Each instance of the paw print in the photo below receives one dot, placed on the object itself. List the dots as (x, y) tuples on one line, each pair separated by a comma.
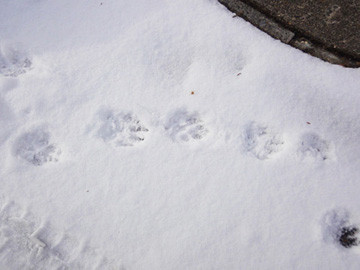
[(121, 129), (13, 61), (36, 147), (261, 141), (312, 145), (337, 228), (183, 126)]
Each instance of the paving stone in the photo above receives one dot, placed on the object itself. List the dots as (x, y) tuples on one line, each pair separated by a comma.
[(328, 29)]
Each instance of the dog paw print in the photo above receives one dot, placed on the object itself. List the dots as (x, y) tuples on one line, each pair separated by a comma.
[(36, 147), (121, 129), (312, 145), (183, 126), (13, 61), (261, 141), (338, 228)]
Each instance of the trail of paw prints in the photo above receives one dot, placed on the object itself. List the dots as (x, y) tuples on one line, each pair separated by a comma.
[(36, 147), (27, 243), (120, 128), (184, 126), (13, 61), (261, 141), (313, 146), (338, 228)]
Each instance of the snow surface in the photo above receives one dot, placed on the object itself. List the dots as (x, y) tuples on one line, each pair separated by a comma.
[(158, 134)]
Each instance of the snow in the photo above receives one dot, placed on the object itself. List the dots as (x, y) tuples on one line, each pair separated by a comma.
[(170, 135)]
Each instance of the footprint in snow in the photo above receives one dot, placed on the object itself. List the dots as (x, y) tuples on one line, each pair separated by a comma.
[(261, 141), (120, 128), (13, 61), (183, 126), (337, 228), (29, 243), (312, 145), (36, 147)]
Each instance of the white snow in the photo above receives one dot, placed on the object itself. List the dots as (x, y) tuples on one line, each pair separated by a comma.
[(183, 138)]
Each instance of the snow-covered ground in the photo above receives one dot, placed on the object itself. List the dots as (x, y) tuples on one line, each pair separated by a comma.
[(166, 134)]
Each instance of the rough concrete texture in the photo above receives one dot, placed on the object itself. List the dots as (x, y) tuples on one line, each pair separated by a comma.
[(328, 29)]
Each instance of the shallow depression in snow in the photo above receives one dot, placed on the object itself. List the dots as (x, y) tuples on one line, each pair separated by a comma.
[(261, 141), (313, 146), (13, 61), (184, 126), (27, 242), (120, 128), (338, 228), (36, 147)]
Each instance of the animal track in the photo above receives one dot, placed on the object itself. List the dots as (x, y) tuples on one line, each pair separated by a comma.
[(314, 146), (36, 148), (25, 244), (13, 61), (337, 228), (120, 129), (183, 126), (261, 141)]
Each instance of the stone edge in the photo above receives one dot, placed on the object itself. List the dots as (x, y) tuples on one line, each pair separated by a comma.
[(282, 33)]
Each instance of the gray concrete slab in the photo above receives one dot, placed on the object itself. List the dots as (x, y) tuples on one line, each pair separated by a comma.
[(328, 29)]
